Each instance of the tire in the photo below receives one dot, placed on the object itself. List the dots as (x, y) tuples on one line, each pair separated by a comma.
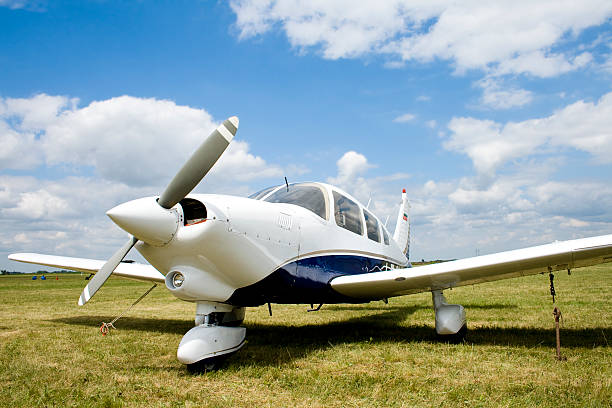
[(207, 365), (456, 338)]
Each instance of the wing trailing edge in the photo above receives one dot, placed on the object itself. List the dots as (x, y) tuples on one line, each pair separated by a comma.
[(502, 265), (127, 270)]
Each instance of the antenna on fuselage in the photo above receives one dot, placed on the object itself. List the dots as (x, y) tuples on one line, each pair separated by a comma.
[(369, 201), (286, 183)]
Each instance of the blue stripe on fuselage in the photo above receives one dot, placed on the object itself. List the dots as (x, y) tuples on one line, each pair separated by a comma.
[(307, 281)]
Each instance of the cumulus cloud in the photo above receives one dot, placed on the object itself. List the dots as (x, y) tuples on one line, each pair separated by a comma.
[(406, 117), (350, 166), (102, 154), (13, 4), (31, 5), (136, 141), (584, 126), (240, 165), (496, 97), (500, 36), (383, 192)]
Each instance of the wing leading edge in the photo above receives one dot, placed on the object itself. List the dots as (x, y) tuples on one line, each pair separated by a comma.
[(502, 265), (127, 270)]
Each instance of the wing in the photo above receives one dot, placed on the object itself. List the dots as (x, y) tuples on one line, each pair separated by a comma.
[(127, 270), (522, 262)]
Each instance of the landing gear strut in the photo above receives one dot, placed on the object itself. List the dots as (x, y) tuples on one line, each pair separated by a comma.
[(214, 338), (450, 319)]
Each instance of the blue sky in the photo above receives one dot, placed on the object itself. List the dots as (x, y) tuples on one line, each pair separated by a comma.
[(496, 117)]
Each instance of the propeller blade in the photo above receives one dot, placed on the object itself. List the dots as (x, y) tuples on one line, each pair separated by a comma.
[(199, 163), (105, 272)]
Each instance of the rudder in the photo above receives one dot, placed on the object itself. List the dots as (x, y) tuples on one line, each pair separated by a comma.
[(402, 227)]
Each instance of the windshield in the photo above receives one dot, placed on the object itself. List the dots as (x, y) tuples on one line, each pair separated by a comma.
[(258, 195), (310, 197)]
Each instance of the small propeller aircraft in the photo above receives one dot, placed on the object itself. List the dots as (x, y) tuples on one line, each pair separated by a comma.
[(303, 243)]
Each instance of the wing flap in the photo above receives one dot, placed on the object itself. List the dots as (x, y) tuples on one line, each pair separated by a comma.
[(127, 270), (503, 265)]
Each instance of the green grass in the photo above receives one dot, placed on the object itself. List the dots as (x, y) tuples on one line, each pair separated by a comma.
[(371, 355)]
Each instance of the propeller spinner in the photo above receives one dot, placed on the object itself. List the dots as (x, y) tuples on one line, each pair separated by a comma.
[(156, 223)]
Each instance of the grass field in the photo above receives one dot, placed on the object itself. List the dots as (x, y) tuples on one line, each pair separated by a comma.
[(371, 355)]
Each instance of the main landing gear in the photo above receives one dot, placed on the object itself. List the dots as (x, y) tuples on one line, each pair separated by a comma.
[(450, 319), (214, 338)]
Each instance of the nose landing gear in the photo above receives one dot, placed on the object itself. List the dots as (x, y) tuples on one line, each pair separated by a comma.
[(213, 339)]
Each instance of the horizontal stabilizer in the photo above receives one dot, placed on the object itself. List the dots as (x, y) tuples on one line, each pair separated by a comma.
[(127, 270), (502, 265)]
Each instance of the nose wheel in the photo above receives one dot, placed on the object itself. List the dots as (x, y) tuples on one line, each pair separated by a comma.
[(207, 364)]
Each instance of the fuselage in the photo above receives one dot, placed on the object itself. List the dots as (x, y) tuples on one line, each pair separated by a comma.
[(282, 245)]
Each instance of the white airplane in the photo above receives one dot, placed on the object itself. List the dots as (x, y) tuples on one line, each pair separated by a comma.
[(307, 243)]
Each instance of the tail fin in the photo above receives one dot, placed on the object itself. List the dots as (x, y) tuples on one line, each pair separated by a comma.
[(402, 227)]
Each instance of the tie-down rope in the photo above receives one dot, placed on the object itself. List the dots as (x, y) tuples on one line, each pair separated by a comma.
[(105, 328)]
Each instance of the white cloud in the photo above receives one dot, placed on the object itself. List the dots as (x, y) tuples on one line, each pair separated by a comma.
[(350, 166), (240, 165), (494, 96), (406, 117), (14, 4), (21, 120), (136, 141), (585, 126), (37, 112), (39, 204), (19, 149), (539, 64), (121, 149), (508, 36)]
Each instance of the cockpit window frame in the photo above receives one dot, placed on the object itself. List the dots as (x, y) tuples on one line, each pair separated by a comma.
[(385, 234), (261, 194)]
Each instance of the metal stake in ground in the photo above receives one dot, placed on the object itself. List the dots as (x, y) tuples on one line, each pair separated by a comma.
[(557, 315)]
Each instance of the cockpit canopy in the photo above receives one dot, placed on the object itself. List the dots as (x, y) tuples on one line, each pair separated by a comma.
[(315, 198)]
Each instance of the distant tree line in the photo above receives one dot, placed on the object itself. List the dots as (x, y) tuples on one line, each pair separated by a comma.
[(39, 272)]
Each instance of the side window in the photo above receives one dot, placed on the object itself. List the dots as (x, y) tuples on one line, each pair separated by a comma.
[(371, 226), (347, 214), (385, 236)]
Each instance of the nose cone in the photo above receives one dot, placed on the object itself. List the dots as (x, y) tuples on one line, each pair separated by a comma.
[(146, 220)]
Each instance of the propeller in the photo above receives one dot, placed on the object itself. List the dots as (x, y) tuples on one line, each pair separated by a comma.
[(105, 272), (199, 163), (192, 172)]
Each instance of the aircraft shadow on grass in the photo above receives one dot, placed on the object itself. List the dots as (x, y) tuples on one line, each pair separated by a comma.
[(273, 344)]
